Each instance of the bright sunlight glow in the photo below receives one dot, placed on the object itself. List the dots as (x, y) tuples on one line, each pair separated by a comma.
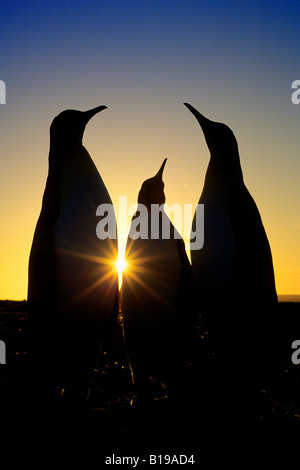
[(121, 266)]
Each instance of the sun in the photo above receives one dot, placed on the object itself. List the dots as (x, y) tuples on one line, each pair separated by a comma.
[(121, 266)]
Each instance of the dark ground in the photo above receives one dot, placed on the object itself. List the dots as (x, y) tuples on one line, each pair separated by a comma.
[(114, 417)]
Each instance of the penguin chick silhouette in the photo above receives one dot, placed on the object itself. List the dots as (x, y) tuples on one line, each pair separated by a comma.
[(72, 284), (233, 272), (156, 290)]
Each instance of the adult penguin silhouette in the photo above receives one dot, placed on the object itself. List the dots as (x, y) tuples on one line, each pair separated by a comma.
[(157, 296), (72, 284), (233, 272)]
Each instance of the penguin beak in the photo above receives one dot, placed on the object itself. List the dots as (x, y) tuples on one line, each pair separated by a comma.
[(160, 171), (206, 125), (203, 121), (91, 112)]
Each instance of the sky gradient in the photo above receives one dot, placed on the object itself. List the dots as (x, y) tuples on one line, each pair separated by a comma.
[(234, 61)]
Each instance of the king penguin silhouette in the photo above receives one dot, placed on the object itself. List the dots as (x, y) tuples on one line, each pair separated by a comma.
[(72, 285), (234, 276), (157, 295)]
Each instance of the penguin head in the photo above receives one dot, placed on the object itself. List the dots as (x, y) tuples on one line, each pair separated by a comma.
[(220, 140), (68, 127), (152, 189)]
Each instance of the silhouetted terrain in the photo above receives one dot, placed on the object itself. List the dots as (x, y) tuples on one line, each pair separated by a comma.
[(113, 408)]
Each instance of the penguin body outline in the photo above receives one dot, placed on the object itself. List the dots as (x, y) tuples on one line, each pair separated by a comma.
[(151, 297), (234, 278), (236, 250), (72, 284)]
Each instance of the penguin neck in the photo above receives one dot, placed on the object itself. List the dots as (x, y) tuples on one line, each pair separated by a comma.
[(67, 146), (226, 167), (72, 157), (148, 206)]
